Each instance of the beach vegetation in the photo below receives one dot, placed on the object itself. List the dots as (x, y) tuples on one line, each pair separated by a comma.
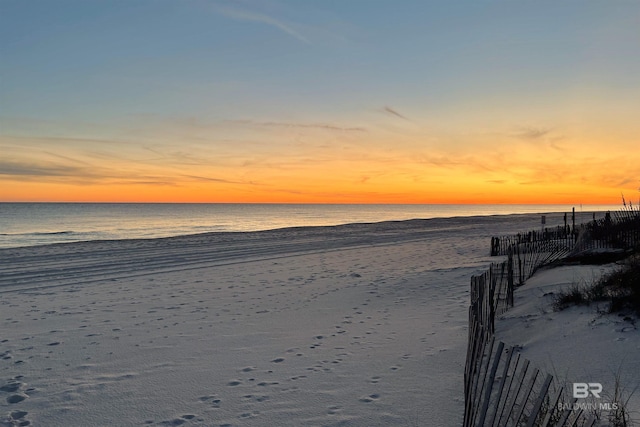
[(620, 416), (574, 295), (620, 289)]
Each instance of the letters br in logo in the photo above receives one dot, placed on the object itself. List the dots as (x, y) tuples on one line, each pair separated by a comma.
[(582, 390)]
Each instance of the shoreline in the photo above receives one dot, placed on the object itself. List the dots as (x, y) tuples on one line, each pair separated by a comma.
[(111, 259), (99, 260), (31, 225), (319, 228)]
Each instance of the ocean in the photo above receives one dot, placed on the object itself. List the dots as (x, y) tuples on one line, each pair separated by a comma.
[(30, 224)]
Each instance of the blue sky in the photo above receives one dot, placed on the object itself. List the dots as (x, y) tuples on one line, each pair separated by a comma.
[(181, 57), (444, 77)]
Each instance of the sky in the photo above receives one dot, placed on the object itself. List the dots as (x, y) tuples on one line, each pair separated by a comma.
[(332, 101)]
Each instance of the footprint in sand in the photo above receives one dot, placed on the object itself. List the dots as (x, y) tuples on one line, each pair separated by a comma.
[(332, 410), (17, 418), (246, 415), (212, 399), (370, 398), (16, 398), (178, 421), (18, 415), (265, 383), (11, 387), (261, 398)]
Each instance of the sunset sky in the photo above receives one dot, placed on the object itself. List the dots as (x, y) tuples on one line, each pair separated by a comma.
[(336, 101)]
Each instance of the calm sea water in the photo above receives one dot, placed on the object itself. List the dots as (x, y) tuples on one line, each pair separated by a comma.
[(27, 224)]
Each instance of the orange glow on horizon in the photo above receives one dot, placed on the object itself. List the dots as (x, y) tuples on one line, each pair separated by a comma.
[(479, 194), (303, 164)]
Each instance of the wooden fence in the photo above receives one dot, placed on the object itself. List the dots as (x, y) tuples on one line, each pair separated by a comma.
[(501, 388), (527, 258), (560, 236), (492, 293), (620, 231)]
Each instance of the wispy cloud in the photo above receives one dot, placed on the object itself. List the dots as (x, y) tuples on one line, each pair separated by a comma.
[(37, 170), (532, 182), (394, 112), (65, 139), (52, 172), (470, 163), (156, 181), (531, 133), (66, 158), (611, 172), (252, 16), (325, 126), (439, 160), (209, 179), (626, 182), (538, 135)]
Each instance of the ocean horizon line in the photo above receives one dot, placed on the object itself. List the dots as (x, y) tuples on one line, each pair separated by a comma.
[(37, 223)]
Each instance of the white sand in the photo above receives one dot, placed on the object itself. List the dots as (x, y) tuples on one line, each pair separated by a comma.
[(578, 344), (362, 325)]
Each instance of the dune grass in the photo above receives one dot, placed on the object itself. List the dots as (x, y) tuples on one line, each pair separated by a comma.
[(620, 288)]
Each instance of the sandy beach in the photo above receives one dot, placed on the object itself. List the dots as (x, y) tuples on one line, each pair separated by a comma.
[(355, 325)]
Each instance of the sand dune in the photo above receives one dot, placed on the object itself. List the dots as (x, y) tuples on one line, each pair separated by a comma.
[(580, 343)]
